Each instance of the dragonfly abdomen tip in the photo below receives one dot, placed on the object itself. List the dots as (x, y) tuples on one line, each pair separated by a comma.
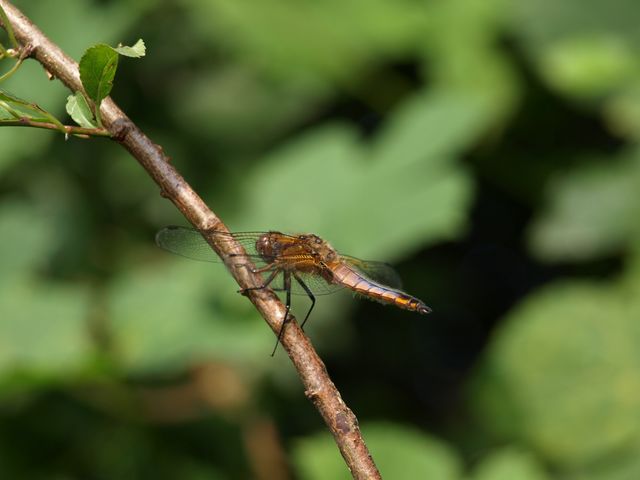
[(423, 310)]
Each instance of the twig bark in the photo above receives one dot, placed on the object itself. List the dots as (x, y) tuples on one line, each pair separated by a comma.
[(318, 386)]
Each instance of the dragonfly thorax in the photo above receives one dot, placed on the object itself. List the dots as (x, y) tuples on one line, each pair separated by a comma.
[(274, 246)]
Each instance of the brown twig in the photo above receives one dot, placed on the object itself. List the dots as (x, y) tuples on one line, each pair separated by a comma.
[(318, 386)]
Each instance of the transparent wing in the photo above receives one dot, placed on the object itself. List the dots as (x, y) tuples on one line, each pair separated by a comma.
[(189, 243), (379, 272), (316, 284)]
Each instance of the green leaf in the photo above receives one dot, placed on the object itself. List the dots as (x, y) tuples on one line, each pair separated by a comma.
[(97, 70), (376, 200), (12, 107), (269, 33), (172, 315), (78, 109), (563, 373), (590, 65), (399, 452), (10, 98), (6, 24), (26, 236), (7, 112), (623, 466), (458, 48), (16, 144), (588, 50), (592, 211), (29, 307), (510, 464), (136, 51)]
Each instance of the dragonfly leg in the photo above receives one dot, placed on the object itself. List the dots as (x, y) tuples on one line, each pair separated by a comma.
[(311, 297), (254, 270), (286, 288), (243, 291)]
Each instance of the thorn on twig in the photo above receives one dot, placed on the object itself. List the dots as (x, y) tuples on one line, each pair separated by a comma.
[(163, 193)]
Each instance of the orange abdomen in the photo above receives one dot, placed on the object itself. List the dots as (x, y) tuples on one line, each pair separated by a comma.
[(353, 280)]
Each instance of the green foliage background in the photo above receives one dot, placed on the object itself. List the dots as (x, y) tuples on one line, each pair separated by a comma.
[(488, 148)]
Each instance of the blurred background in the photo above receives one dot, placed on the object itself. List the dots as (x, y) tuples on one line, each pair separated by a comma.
[(487, 148)]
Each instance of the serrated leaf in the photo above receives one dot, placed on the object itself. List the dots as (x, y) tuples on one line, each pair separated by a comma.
[(78, 109), (136, 51), (399, 452), (98, 68)]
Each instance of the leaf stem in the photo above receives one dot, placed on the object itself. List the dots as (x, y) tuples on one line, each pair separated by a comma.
[(12, 70), (66, 129), (6, 24)]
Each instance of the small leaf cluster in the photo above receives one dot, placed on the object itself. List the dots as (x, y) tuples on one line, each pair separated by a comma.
[(98, 68)]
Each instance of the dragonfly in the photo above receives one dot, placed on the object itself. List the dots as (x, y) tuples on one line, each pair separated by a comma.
[(305, 263)]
